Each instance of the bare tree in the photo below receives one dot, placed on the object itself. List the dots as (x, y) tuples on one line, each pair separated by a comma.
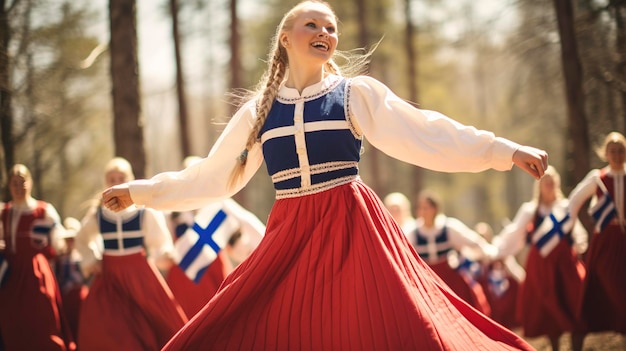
[(185, 140), (412, 59), (127, 128), (235, 73), (6, 115), (575, 97)]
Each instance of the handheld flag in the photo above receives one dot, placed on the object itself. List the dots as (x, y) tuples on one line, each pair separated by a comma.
[(551, 230), (199, 245), (603, 211)]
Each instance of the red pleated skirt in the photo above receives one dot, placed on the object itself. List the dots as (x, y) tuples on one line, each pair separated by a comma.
[(31, 310), (72, 301), (129, 307), (502, 305), (549, 296), (603, 305), (469, 291), (335, 272), (193, 296)]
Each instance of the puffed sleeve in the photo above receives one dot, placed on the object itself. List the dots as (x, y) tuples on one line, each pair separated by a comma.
[(87, 242), (424, 138), (512, 238), (157, 238), (207, 180), (583, 191), (462, 237), (57, 231)]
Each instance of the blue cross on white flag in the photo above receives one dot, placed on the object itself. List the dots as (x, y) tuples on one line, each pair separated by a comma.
[(553, 227), (198, 247), (603, 211)]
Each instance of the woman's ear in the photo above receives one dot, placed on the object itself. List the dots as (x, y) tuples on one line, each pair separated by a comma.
[(284, 40)]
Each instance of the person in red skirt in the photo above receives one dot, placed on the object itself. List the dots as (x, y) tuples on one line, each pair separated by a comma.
[(500, 280), (603, 303), (451, 249), (194, 283), (129, 305), (72, 283), (31, 310), (238, 234), (334, 271), (549, 294)]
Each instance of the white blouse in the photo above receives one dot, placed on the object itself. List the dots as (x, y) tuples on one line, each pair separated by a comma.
[(587, 188), (424, 138), (460, 237), (156, 237), (512, 238)]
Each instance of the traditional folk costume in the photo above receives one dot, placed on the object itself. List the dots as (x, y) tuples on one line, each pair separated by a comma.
[(441, 247), (194, 287), (31, 311), (334, 271), (129, 306), (603, 303), (550, 292), (73, 286), (500, 282)]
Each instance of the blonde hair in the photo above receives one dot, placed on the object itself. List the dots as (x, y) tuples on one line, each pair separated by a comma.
[(120, 164), (275, 74), (554, 174), (20, 170), (611, 138), (400, 200)]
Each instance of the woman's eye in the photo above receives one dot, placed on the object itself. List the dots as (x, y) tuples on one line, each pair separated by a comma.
[(330, 30), (311, 24)]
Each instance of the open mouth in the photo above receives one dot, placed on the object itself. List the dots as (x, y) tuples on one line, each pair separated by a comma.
[(320, 45)]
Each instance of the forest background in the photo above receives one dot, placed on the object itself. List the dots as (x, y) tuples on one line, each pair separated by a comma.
[(75, 89)]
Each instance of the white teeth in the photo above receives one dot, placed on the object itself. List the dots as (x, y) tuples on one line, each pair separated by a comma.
[(320, 44)]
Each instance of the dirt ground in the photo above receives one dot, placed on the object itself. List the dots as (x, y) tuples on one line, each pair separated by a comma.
[(593, 342)]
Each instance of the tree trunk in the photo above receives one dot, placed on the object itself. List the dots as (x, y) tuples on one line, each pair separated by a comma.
[(373, 155), (579, 146), (417, 173), (185, 140), (6, 112), (127, 128), (235, 76), (620, 49)]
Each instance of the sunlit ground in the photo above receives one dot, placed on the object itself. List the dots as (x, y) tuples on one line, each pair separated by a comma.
[(593, 342)]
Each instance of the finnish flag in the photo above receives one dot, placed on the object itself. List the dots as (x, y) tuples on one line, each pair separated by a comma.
[(551, 230), (199, 245), (603, 211)]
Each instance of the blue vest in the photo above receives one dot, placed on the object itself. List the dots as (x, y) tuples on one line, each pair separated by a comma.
[(130, 235), (441, 240), (311, 150)]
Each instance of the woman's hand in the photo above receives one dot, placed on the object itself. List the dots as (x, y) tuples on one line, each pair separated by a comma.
[(117, 198), (532, 160)]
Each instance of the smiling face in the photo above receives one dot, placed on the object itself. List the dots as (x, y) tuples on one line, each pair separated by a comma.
[(310, 35)]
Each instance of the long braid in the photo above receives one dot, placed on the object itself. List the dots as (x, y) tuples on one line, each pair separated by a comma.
[(277, 67)]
